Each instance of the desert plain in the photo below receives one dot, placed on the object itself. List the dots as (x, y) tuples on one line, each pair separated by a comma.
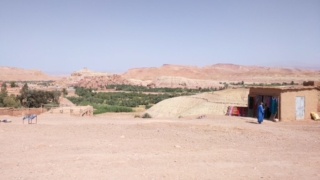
[(174, 144), (118, 146)]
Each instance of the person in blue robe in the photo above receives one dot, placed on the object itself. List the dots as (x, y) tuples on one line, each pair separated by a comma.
[(260, 113)]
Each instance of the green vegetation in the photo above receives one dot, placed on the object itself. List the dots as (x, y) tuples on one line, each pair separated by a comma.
[(125, 101), (64, 92), (13, 84), (146, 115), (7, 101), (35, 98), (131, 88), (148, 106), (131, 99), (103, 108), (127, 97), (117, 99)]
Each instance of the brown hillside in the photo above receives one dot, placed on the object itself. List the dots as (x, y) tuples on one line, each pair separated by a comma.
[(226, 72), (19, 74), (88, 78)]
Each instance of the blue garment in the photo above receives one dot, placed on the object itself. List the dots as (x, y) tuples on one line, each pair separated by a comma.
[(260, 113), (29, 116)]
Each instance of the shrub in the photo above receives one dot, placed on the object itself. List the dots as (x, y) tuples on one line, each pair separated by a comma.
[(64, 91), (136, 116), (13, 84), (106, 108), (146, 115), (10, 101), (148, 106)]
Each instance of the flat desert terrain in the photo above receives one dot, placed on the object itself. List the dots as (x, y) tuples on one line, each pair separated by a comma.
[(118, 146)]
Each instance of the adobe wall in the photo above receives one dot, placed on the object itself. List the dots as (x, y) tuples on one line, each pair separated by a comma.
[(288, 103), (21, 111), (74, 110)]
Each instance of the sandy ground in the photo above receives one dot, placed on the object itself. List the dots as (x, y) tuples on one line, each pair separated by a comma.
[(121, 147)]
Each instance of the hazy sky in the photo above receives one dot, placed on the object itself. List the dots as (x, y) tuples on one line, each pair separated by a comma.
[(113, 36)]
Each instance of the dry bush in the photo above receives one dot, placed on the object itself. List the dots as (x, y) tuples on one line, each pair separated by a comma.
[(146, 115)]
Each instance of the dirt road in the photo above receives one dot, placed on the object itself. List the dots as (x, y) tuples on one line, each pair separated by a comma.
[(121, 147)]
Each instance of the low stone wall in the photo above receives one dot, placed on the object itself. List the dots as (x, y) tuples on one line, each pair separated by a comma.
[(21, 111), (73, 110)]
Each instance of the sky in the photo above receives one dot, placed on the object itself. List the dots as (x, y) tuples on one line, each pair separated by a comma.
[(62, 36)]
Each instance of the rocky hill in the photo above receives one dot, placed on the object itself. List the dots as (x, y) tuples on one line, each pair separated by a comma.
[(224, 72), (19, 74), (91, 79), (168, 76)]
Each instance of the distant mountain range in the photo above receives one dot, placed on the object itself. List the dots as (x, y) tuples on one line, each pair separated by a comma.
[(169, 75), (19, 74)]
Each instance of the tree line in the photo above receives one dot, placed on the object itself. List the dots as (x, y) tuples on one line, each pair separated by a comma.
[(121, 101), (28, 98), (135, 88), (87, 96)]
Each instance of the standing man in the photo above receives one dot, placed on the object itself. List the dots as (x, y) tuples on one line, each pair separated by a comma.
[(260, 113)]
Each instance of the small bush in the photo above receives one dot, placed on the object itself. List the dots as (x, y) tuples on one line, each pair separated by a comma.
[(146, 115), (136, 116), (148, 106), (106, 108)]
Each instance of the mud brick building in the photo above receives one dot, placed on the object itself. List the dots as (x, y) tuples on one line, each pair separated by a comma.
[(284, 103)]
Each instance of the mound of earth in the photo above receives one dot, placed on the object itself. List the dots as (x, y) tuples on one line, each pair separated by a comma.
[(213, 103), (19, 74)]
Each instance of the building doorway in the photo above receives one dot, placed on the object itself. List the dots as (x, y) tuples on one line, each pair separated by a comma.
[(300, 107)]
